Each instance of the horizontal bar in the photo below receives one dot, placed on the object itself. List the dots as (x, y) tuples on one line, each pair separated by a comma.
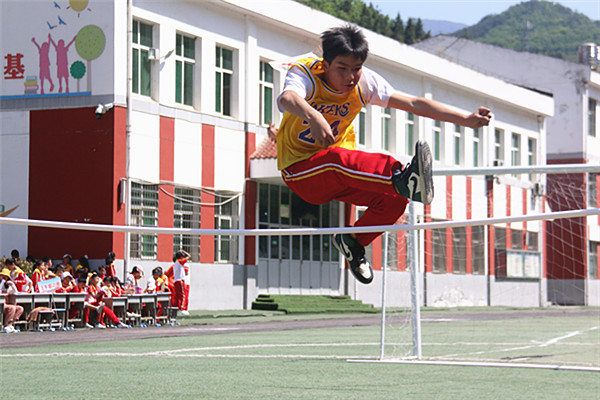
[(530, 169), (299, 231)]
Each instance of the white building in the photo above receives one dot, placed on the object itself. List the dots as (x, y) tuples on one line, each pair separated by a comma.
[(194, 156), (573, 136)]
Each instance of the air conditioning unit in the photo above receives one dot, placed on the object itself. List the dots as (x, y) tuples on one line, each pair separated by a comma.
[(498, 163), (589, 54), (153, 54)]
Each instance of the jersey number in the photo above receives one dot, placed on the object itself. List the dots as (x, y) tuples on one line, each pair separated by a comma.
[(306, 137)]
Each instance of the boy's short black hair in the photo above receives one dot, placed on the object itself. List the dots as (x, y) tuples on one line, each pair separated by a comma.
[(344, 40)]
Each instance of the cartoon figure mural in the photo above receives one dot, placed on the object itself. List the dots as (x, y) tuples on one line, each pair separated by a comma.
[(43, 51), (76, 40), (62, 63)]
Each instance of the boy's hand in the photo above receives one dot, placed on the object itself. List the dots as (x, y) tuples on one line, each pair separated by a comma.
[(479, 118), (321, 131)]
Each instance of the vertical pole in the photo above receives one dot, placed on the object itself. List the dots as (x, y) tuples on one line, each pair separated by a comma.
[(126, 247), (383, 287), (414, 283)]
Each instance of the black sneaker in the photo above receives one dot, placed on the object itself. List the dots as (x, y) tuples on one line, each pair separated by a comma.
[(355, 254), (415, 182)]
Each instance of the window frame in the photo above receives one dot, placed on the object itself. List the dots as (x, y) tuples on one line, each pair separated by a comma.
[(386, 127), (140, 58), (187, 202), (410, 127), (223, 98), (227, 209), (264, 85), (181, 77), (144, 207)]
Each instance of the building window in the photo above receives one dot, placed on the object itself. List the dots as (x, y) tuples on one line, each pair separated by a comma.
[(437, 140), (223, 80), (144, 212), (386, 119), (226, 217), (593, 259), (458, 135), (141, 64), (532, 241), (410, 133), (531, 154), (592, 190), (279, 207), (185, 59), (265, 81), (592, 107), (392, 250), (478, 249), (186, 214), (515, 149), (360, 127), (500, 238), (459, 250), (476, 146), (516, 239), (499, 145), (438, 236)]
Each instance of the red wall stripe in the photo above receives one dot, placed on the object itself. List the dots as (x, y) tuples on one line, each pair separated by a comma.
[(72, 177), (508, 214), (119, 156), (566, 239), (525, 212), (207, 214), (491, 231), (428, 241), (469, 230), (449, 248), (250, 203), (376, 250), (167, 173)]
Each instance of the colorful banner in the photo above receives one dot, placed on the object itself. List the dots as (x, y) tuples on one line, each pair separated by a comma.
[(49, 285)]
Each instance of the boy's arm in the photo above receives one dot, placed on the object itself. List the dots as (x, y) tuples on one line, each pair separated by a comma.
[(433, 109), (319, 127)]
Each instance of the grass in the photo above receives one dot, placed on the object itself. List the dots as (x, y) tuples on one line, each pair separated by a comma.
[(311, 363)]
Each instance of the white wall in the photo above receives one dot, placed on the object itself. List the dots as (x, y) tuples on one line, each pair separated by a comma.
[(14, 178)]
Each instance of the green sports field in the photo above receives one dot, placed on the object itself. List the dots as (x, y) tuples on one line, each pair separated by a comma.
[(214, 361)]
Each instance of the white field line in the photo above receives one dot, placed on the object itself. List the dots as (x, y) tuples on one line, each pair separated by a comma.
[(174, 353), (547, 343)]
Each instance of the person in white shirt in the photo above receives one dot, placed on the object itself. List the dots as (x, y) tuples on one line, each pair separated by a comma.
[(179, 273)]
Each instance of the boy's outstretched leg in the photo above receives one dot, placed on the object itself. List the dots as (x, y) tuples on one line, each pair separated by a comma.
[(355, 254), (415, 181)]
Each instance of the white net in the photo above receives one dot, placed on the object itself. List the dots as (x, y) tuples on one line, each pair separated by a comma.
[(495, 290)]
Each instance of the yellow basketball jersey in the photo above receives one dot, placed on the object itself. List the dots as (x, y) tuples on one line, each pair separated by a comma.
[(294, 141)]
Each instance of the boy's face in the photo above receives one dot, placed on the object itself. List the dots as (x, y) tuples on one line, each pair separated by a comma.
[(343, 73)]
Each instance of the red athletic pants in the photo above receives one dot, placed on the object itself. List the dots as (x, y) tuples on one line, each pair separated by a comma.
[(179, 295), (352, 176)]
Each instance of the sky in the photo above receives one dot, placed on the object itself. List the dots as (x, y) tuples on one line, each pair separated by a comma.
[(468, 12)]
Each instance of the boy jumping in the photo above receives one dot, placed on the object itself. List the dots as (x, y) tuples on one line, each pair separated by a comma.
[(316, 150)]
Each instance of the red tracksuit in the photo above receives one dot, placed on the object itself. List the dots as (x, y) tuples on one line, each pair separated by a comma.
[(352, 176)]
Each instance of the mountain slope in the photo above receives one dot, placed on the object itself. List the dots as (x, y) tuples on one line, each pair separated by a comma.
[(541, 27)]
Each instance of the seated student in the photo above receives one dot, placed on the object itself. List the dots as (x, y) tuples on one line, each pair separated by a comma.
[(83, 265), (39, 274), (115, 287), (102, 273), (131, 281), (93, 301), (17, 276), (67, 282), (109, 261), (66, 264), (12, 312)]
